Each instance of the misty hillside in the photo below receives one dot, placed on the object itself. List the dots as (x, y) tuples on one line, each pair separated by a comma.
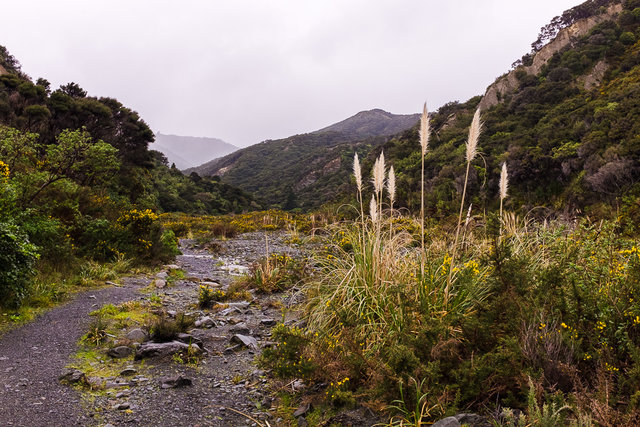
[(566, 121), (190, 151), (305, 171)]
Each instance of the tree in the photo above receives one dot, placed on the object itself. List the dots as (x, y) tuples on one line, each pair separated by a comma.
[(73, 90)]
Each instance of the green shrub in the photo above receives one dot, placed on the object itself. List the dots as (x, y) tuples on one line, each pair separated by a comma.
[(17, 259), (288, 357)]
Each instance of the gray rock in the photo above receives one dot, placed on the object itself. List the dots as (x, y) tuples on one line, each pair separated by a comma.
[(128, 372), (162, 275), (95, 382), (234, 320), (172, 313), (205, 322), (120, 352), (153, 349), (242, 305), (171, 267), (211, 284), (122, 406), (175, 382), (240, 328), (189, 339), (72, 376), (138, 335), (245, 340), (447, 422), (159, 283), (230, 310), (268, 322), (232, 349), (302, 410), (473, 420)]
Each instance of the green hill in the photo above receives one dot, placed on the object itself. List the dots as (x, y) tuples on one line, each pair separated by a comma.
[(305, 171), (566, 120)]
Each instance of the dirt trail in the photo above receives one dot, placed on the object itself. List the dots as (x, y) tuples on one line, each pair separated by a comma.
[(34, 355), (226, 380)]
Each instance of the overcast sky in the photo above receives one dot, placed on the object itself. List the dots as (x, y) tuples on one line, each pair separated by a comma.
[(249, 70)]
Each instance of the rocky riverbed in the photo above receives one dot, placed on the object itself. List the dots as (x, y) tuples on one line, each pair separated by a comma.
[(155, 384)]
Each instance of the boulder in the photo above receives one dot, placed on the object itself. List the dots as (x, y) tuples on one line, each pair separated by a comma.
[(189, 339), (175, 382), (72, 376), (138, 335), (120, 352), (245, 341), (153, 349), (205, 322), (240, 328)]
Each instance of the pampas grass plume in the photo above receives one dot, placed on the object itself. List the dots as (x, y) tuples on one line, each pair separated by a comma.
[(391, 185), (474, 134), (357, 171), (373, 209), (378, 174), (424, 130), (504, 181)]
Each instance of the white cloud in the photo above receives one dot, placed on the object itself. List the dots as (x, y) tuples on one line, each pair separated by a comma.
[(248, 70)]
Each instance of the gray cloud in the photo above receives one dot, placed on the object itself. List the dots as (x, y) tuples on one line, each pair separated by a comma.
[(248, 70)]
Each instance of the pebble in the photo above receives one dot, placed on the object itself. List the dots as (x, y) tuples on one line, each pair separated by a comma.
[(127, 372), (122, 406)]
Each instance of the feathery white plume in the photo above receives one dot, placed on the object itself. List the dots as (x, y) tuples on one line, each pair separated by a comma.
[(391, 185), (357, 171), (378, 174), (474, 134), (424, 130), (504, 181), (373, 209), (466, 221)]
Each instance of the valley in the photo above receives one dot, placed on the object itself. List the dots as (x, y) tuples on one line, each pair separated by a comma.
[(474, 265)]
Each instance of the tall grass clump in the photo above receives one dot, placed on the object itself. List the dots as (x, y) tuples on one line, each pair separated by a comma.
[(471, 152), (504, 186), (378, 296), (550, 305), (424, 145)]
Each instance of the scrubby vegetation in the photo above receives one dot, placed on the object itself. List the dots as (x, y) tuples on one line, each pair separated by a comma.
[(525, 310), (531, 316)]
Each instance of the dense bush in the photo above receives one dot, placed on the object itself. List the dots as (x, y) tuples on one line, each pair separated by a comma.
[(17, 261)]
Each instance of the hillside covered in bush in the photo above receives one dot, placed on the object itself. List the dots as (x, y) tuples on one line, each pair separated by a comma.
[(79, 184), (568, 132)]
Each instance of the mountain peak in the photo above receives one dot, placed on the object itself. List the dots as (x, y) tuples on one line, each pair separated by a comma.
[(375, 122)]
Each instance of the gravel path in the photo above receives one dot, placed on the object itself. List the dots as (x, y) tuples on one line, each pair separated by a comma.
[(34, 355), (227, 380)]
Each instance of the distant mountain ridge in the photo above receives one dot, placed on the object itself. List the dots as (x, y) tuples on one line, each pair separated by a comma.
[(192, 150), (374, 122), (305, 170)]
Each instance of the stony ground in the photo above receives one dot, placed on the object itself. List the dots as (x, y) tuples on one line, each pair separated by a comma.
[(33, 356), (223, 388)]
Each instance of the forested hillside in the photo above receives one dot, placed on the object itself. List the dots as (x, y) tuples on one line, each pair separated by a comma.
[(569, 132), (78, 182), (308, 170)]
